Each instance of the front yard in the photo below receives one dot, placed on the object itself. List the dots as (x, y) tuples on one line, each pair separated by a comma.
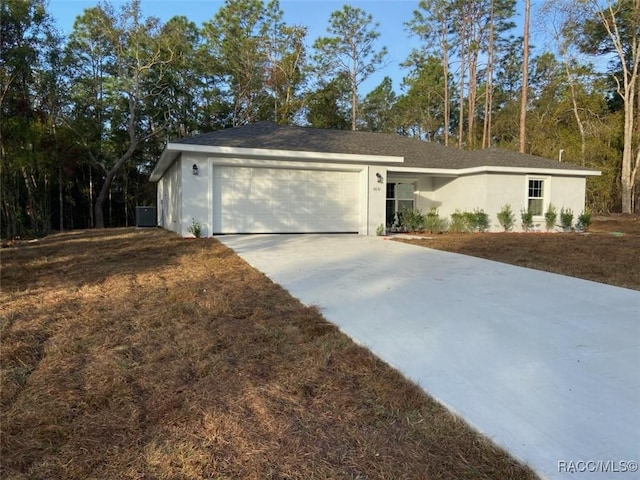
[(140, 355), (608, 253)]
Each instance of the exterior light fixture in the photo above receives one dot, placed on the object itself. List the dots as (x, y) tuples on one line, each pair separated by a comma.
[(194, 169), (379, 177)]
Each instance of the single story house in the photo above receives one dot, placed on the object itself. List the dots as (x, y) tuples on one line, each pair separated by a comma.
[(269, 178)]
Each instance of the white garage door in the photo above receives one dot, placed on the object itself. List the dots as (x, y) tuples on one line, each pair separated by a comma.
[(271, 200)]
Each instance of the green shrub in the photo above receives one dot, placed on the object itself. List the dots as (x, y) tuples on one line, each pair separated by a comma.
[(411, 220), (469, 221), (476, 221), (584, 220), (195, 229), (527, 220), (380, 231), (433, 223), (566, 219), (458, 222), (479, 221), (550, 217), (506, 218)]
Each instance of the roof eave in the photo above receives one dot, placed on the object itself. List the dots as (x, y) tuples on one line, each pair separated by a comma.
[(173, 150), (577, 172), (223, 151), (498, 169), (167, 157)]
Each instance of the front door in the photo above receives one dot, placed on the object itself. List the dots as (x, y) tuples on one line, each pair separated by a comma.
[(399, 198)]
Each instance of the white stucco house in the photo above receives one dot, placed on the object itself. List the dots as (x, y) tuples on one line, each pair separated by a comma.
[(269, 178)]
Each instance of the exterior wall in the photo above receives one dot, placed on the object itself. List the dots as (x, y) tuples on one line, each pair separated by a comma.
[(492, 191), (459, 193), (568, 192), (196, 197), (506, 189), (424, 195), (562, 192), (183, 197), (374, 212), (169, 198)]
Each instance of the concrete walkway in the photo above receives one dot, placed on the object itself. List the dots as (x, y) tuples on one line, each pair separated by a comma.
[(547, 366)]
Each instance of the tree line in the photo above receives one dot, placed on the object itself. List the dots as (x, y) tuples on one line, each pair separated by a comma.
[(84, 117)]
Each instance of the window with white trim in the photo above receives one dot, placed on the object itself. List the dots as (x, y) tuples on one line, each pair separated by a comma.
[(400, 197), (535, 196)]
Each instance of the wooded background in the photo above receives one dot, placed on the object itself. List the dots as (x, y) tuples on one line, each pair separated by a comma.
[(85, 117)]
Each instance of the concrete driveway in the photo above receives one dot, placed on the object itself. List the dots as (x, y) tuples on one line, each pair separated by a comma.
[(547, 366)]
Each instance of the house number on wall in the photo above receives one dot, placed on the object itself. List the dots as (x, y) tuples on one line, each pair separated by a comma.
[(377, 189)]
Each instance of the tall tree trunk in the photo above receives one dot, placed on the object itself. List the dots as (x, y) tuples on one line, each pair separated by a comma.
[(126, 199), (461, 100), (488, 94), (444, 47), (37, 201), (10, 205), (463, 70), (134, 140), (110, 207), (91, 219), (471, 103), (576, 113), (525, 78), (629, 166), (354, 100), (473, 51), (61, 199), (447, 107), (629, 55), (106, 186)]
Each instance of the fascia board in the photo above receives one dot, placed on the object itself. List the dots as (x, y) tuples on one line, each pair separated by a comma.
[(445, 172), (288, 154), (252, 162), (167, 157), (534, 171), (454, 172)]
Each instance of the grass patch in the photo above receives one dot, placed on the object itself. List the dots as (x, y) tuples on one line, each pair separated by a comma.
[(607, 254), (137, 354)]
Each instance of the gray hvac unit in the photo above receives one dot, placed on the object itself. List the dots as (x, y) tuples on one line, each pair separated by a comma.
[(146, 217)]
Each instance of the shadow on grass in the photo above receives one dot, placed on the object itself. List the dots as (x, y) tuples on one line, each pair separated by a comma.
[(138, 354), (75, 259)]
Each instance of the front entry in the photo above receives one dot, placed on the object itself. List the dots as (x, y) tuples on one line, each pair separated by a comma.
[(400, 197)]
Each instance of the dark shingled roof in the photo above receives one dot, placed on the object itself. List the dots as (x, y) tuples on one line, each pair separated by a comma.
[(416, 153)]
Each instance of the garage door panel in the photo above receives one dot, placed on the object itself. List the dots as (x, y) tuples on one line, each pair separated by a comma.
[(266, 200)]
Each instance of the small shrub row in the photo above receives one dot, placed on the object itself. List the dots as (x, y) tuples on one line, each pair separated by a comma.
[(478, 220), (432, 222), (507, 219)]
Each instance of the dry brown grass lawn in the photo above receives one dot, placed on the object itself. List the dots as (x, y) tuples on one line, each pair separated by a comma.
[(608, 253), (139, 355)]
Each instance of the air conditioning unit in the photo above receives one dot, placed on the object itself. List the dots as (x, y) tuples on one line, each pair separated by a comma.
[(146, 217)]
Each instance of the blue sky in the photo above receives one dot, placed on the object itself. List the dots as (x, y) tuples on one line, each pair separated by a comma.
[(390, 14)]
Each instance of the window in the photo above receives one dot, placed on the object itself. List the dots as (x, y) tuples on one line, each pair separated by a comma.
[(535, 197), (399, 198)]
